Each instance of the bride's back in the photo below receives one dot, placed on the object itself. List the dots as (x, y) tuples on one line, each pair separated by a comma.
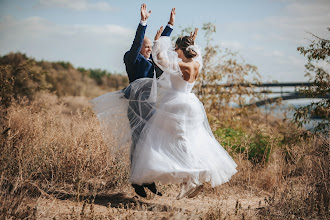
[(189, 70), (184, 78)]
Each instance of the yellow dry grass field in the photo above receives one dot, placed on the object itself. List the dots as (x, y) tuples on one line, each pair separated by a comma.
[(55, 165)]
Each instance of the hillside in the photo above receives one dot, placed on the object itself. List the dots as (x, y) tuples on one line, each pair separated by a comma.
[(25, 76)]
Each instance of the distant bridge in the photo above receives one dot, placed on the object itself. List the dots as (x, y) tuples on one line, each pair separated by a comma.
[(287, 96), (284, 95)]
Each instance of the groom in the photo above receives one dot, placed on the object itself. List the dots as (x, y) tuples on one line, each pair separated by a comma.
[(139, 64)]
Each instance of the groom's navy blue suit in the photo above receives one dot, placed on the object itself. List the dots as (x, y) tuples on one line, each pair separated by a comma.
[(137, 66)]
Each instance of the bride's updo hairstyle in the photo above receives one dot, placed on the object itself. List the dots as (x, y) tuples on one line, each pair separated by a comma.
[(183, 43)]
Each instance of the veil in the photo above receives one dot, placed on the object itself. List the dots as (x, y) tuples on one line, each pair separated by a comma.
[(123, 114)]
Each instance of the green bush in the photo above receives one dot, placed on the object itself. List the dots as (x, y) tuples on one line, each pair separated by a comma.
[(20, 77), (256, 146), (65, 65), (259, 148), (97, 75), (230, 138)]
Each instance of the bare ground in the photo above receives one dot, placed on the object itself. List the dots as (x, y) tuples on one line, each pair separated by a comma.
[(224, 202)]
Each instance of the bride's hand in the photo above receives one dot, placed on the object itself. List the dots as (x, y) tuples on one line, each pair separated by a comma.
[(172, 17), (159, 32), (194, 35), (144, 14)]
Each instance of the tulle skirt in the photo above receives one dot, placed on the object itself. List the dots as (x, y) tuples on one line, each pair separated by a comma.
[(171, 141)]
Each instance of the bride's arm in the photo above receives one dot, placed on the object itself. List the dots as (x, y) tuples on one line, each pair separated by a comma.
[(161, 50), (197, 49), (162, 61)]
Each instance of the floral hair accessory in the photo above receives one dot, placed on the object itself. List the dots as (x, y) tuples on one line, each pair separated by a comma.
[(191, 47), (195, 48)]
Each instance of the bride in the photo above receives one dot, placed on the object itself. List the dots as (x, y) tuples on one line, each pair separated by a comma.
[(176, 144)]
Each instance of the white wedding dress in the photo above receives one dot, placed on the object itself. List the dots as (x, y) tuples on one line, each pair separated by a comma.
[(175, 143)]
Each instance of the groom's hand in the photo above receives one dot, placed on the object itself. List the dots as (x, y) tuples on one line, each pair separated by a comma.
[(172, 17), (144, 14)]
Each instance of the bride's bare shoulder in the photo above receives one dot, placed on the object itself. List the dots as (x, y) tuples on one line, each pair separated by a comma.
[(189, 70), (197, 64), (185, 66), (192, 64)]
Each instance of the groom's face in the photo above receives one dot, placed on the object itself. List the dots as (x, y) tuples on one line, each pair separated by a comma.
[(146, 48)]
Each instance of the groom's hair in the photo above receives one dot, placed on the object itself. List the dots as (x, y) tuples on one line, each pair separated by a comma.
[(183, 43)]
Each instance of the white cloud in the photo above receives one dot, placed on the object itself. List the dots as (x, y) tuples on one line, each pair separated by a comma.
[(298, 61), (298, 17), (277, 53), (302, 8), (83, 45), (259, 48), (289, 24), (233, 45), (271, 43), (256, 36), (77, 5)]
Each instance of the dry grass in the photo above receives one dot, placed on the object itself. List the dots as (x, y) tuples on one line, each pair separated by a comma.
[(57, 150), (52, 154)]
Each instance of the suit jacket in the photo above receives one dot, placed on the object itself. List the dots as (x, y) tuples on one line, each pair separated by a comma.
[(137, 66)]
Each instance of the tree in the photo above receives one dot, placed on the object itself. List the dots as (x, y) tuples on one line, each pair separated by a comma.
[(222, 66), (318, 51), (20, 76)]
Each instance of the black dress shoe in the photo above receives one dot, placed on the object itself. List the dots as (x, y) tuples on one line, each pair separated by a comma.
[(153, 189), (139, 190)]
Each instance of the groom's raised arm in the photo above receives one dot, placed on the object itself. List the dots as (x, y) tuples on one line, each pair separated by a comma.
[(167, 31), (169, 27), (131, 55)]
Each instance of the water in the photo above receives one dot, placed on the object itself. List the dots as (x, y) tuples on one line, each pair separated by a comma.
[(287, 110)]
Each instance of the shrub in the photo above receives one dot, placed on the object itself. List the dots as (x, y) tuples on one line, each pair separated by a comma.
[(318, 50), (257, 146), (20, 76)]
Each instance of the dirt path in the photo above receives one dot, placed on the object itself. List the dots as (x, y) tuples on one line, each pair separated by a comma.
[(226, 202)]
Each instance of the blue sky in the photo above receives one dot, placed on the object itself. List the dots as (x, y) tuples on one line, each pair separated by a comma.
[(96, 34)]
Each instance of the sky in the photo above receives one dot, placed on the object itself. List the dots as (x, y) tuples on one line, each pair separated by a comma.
[(97, 33)]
